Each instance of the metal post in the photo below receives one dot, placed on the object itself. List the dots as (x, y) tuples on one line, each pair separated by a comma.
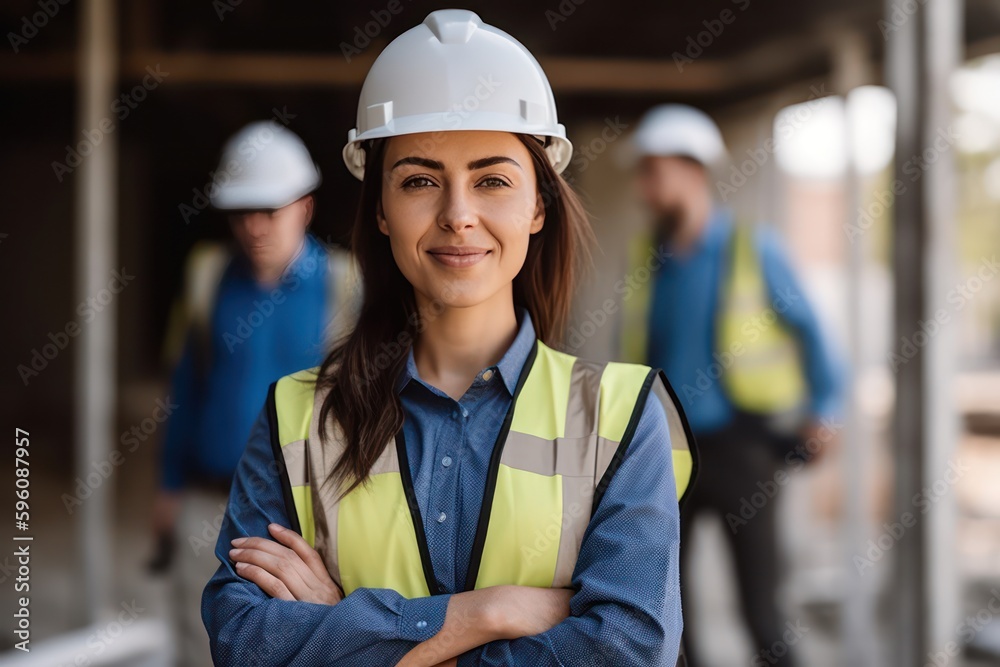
[(851, 70), (909, 591), (96, 227), (942, 57), (923, 50)]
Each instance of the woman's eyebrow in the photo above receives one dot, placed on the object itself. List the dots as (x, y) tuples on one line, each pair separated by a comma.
[(420, 162), (490, 161)]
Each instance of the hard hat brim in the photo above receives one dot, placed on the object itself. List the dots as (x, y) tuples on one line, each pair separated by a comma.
[(240, 197), (559, 148)]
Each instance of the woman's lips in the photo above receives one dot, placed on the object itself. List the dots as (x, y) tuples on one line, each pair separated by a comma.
[(458, 256)]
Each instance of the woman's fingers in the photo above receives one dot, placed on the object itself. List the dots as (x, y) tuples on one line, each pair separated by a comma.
[(267, 582), (311, 558), (278, 561), (297, 543), (297, 566)]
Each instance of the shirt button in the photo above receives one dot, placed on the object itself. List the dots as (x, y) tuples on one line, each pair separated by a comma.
[(446, 461), (421, 624), (465, 413), (487, 375), (442, 517), (454, 414)]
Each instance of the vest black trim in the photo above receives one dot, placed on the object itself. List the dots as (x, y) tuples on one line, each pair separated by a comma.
[(630, 429), (627, 436), (418, 522), (476, 557), (692, 442), (279, 459)]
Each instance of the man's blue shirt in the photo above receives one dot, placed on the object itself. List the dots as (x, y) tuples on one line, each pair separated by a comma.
[(683, 316), (257, 335)]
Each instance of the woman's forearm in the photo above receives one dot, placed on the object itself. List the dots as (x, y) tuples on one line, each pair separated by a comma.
[(475, 618)]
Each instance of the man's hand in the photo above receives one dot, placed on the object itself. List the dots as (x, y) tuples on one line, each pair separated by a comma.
[(166, 507), (288, 569), (817, 440)]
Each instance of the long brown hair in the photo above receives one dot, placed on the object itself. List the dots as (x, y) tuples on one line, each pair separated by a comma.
[(362, 369)]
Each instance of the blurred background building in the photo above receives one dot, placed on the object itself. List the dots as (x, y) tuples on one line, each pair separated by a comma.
[(869, 133)]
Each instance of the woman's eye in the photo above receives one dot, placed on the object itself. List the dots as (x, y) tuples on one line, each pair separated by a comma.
[(494, 182), (417, 182)]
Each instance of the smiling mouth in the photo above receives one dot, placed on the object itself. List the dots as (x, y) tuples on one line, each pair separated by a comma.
[(459, 257)]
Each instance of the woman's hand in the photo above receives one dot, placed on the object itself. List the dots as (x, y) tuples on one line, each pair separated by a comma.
[(288, 569)]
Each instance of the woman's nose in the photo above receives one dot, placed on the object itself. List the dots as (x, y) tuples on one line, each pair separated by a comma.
[(458, 211)]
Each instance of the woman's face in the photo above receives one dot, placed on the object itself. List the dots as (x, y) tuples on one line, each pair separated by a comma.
[(458, 208)]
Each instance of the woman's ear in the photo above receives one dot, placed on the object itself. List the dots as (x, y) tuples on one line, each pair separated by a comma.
[(380, 216), (539, 220)]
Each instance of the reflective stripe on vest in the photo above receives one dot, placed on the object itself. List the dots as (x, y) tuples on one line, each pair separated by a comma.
[(562, 440), (766, 375)]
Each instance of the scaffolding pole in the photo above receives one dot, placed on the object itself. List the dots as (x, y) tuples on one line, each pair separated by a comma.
[(96, 224), (922, 51)]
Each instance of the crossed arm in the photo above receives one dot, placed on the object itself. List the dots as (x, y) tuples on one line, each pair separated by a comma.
[(272, 602), (287, 568)]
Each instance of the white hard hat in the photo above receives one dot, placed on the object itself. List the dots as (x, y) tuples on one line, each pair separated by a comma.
[(454, 72), (677, 129), (263, 166)]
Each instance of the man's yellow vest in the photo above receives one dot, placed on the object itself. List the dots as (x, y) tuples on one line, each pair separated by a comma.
[(765, 375), (565, 434)]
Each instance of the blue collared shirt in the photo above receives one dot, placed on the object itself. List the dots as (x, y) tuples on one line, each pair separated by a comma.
[(258, 334), (626, 609), (683, 320)]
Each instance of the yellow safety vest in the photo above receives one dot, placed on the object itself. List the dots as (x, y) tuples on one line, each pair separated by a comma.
[(564, 436), (765, 375)]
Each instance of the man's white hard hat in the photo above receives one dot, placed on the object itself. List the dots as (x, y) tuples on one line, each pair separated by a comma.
[(263, 166), (679, 130)]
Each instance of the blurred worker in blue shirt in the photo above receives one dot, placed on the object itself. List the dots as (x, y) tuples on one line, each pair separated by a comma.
[(715, 303), (251, 313)]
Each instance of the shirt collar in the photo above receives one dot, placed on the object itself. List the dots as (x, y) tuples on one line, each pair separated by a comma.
[(509, 367)]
